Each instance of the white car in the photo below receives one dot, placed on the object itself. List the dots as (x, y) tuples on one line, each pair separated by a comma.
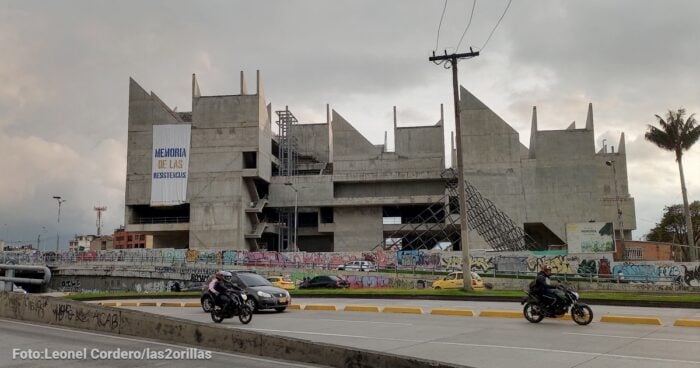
[(366, 266)]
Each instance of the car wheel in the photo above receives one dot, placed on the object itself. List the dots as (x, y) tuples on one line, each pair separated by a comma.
[(252, 304), (207, 304), (437, 288), (280, 309)]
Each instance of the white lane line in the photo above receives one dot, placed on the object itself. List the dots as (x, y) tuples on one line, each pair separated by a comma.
[(632, 337), (567, 352), (158, 343), (330, 334)]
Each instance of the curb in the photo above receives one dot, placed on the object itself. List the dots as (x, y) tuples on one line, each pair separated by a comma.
[(501, 313), (408, 310), (453, 312), (687, 322), (320, 307), (361, 308), (637, 320)]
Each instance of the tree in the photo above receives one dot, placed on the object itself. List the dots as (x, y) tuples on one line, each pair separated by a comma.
[(677, 135), (671, 228)]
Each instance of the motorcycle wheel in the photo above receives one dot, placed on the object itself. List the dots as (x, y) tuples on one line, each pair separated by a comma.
[(581, 314), (216, 317), (207, 304), (246, 315), (532, 313)]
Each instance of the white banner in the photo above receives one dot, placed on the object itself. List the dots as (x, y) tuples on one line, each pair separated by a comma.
[(590, 237), (171, 157)]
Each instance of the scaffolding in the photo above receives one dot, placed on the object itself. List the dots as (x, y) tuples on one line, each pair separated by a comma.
[(289, 158), (439, 223)]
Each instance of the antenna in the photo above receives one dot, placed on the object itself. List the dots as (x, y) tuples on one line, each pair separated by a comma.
[(99, 210)]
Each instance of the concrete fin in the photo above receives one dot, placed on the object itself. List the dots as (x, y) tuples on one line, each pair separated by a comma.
[(572, 126), (469, 102), (621, 145), (395, 125), (442, 117), (340, 124), (165, 107), (589, 117), (533, 133), (244, 88), (195, 87), (136, 92), (258, 83)]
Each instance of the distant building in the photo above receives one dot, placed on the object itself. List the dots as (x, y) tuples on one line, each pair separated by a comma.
[(123, 239), (237, 170), (103, 242), (81, 243), (648, 251)]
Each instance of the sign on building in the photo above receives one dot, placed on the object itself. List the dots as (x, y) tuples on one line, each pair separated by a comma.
[(590, 237), (171, 153)]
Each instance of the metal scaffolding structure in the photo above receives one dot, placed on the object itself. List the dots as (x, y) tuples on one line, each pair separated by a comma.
[(440, 223), (288, 156)]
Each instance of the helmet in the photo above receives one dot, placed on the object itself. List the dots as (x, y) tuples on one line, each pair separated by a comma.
[(546, 269), (219, 275), (227, 275)]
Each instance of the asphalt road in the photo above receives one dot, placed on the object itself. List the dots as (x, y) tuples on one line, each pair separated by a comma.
[(23, 336), (485, 342)]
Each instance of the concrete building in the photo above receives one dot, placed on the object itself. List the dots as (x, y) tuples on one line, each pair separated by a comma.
[(80, 243), (254, 183), (123, 239), (103, 242)]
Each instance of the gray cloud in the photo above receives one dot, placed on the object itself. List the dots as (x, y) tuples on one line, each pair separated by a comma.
[(63, 86)]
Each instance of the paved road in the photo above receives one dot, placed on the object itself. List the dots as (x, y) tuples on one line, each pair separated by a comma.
[(23, 336), (485, 342)]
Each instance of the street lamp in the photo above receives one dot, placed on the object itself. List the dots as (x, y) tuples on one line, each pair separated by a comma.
[(58, 220), (619, 209), (296, 202)]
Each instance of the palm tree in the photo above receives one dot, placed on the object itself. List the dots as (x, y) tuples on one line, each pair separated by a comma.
[(677, 136)]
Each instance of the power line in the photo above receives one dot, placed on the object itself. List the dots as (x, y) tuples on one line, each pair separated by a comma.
[(468, 25), (440, 26), (496, 26)]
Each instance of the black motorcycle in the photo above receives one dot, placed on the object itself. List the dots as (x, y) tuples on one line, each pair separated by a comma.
[(235, 307), (538, 307)]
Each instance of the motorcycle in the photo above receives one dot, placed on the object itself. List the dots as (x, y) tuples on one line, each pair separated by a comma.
[(537, 307), (235, 307)]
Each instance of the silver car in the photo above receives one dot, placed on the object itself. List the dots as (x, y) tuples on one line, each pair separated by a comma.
[(366, 266)]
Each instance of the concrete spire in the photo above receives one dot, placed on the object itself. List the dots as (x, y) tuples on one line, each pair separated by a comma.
[(621, 145), (195, 87), (394, 118), (469, 102), (589, 117), (258, 85), (244, 89), (533, 133), (442, 116), (328, 113), (572, 126)]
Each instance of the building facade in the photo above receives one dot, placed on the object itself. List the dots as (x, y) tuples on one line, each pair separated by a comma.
[(259, 179), (123, 239)]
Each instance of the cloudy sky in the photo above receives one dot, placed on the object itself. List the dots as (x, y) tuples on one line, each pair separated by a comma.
[(65, 66)]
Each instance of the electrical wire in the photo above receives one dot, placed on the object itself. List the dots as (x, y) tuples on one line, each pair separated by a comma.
[(440, 26), (471, 16), (496, 26)]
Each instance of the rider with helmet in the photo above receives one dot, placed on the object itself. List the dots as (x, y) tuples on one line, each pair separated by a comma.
[(218, 287), (544, 287)]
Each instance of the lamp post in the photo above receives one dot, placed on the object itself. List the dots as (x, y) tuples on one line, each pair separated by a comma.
[(58, 220), (619, 209), (296, 202)]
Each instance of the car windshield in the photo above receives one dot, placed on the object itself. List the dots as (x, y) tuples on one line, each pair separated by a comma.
[(334, 278), (252, 280)]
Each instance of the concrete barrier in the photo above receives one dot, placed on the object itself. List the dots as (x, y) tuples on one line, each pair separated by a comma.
[(320, 307), (85, 316), (637, 320), (128, 304), (501, 313), (191, 305), (453, 312), (687, 322), (361, 308), (295, 306), (171, 304), (151, 304), (408, 310)]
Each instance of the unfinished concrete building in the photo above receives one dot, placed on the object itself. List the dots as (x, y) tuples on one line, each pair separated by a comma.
[(259, 179)]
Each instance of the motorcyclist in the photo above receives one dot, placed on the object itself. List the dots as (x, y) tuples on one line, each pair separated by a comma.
[(219, 285), (544, 287)]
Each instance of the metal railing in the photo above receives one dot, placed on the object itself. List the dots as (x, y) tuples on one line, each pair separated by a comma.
[(162, 220)]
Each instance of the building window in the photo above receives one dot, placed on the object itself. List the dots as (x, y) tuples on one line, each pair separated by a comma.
[(250, 160), (391, 220), (634, 253)]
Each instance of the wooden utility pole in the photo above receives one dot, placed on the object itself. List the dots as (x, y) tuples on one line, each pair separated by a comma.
[(463, 229)]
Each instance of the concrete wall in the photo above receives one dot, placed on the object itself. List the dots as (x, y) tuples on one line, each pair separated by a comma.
[(357, 228), (84, 316), (312, 140)]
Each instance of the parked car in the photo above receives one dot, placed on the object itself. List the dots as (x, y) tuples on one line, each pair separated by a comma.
[(281, 282), (455, 280), (366, 266), (326, 282), (261, 293)]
